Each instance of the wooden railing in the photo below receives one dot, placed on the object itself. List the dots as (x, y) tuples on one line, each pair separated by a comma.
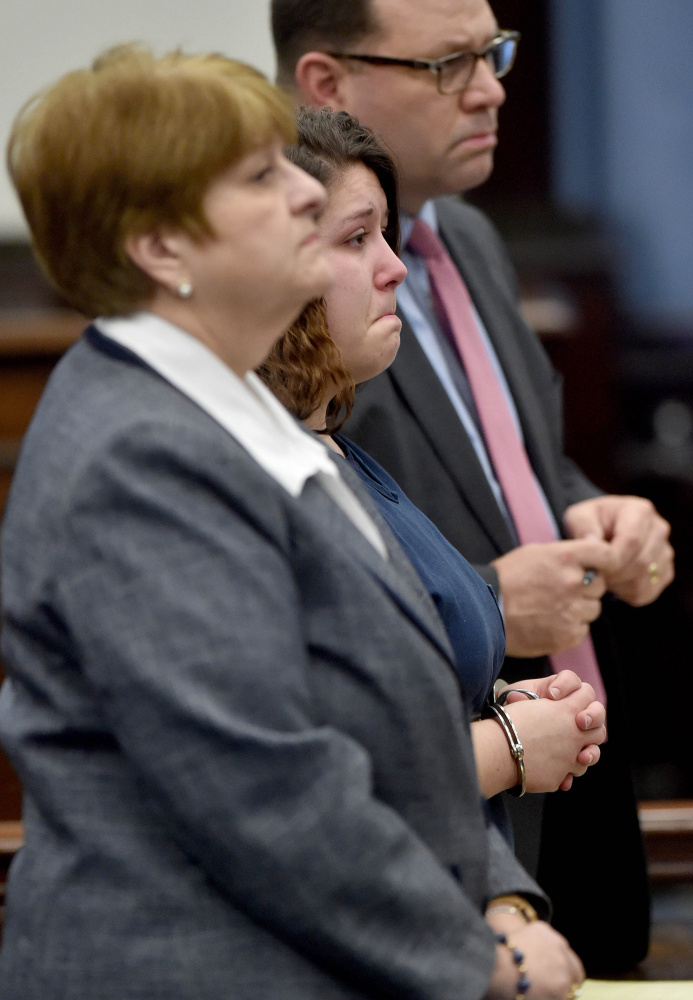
[(11, 837), (667, 828), (10, 842)]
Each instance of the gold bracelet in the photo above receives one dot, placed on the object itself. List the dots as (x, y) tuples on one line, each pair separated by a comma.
[(513, 904)]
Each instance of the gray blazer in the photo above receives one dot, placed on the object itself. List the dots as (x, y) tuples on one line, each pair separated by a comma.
[(247, 769)]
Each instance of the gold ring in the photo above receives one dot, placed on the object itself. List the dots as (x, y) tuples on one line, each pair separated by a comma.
[(653, 570), (575, 991)]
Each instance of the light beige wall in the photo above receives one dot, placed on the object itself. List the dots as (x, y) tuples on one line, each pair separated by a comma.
[(41, 39)]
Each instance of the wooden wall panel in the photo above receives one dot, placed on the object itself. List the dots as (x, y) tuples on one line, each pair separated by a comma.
[(31, 342)]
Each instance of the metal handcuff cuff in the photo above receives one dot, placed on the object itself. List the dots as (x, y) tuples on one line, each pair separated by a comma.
[(494, 709)]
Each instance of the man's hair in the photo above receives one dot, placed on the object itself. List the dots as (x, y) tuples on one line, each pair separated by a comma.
[(300, 26), (127, 146), (306, 361)]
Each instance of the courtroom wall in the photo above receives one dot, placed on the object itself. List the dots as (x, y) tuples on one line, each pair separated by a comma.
[(41, 39)]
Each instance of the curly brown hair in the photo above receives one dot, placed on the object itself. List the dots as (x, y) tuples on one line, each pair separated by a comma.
[(301, 365)]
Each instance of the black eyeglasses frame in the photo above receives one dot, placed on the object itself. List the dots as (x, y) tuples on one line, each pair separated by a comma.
[(436, 66)]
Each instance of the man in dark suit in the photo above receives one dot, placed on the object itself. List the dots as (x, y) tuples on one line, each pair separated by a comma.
[(393, 68)]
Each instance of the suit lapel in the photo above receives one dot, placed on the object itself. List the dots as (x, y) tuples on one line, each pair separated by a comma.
[(395, 574), (419, 385)]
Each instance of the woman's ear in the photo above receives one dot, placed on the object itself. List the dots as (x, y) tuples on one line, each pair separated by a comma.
[(319, 79), (157, 254)]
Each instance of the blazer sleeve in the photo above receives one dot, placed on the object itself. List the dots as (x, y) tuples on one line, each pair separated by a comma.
[(188, 614), (505, 870)]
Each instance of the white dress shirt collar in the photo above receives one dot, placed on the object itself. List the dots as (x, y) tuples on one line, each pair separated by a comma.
[(428, 214), (244, 407)]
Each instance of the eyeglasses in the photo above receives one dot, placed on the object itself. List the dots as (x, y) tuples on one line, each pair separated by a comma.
[(453, 73)]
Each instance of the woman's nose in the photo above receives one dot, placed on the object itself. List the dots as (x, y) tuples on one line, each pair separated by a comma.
[(393, 270)]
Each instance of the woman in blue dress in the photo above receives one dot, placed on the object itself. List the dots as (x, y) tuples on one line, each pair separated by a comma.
[(314, 373)]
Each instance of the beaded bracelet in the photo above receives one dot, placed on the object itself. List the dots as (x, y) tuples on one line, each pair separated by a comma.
[(523, 983)]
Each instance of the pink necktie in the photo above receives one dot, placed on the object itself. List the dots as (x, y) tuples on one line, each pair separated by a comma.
[(505, 447)]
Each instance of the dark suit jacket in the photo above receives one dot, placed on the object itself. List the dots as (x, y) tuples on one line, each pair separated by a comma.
[(248, 771), (406, 421)]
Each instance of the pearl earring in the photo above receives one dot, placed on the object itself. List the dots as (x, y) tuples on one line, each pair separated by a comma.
[(185, 289)]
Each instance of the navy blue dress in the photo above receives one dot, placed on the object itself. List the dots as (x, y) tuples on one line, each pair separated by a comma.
[(465, 602)]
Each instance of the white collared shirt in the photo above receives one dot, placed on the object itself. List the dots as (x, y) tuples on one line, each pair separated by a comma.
[(244, 407)]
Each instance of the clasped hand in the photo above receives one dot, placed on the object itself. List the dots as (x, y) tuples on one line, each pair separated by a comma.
[(561, 732), (552, 966), (547, 606), (643, 559)]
